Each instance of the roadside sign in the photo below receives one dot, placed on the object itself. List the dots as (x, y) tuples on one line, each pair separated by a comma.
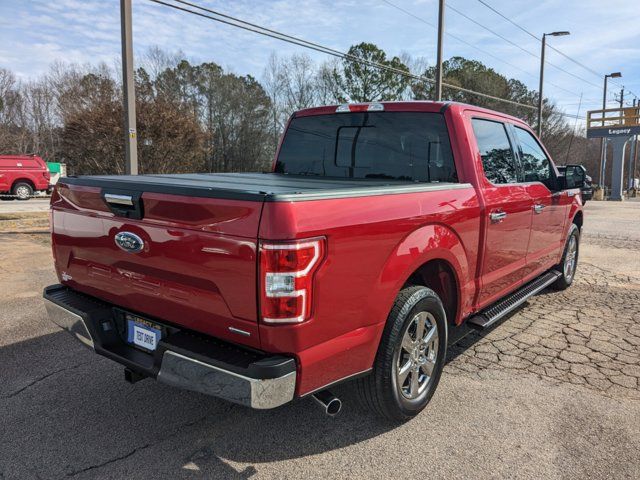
[(618, 131)]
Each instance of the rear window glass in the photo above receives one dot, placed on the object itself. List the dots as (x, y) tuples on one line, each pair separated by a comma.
[(380, 145)]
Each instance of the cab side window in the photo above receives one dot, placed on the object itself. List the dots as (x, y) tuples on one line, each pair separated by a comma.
[(535, 163), (498, 160)]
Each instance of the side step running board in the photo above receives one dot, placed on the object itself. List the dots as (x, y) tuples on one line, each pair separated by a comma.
[(495, 312)]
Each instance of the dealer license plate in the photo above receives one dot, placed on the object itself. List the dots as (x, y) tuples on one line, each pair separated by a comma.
[(143, 333)]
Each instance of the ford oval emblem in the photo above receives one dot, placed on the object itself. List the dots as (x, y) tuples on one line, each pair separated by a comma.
[(129, 242)]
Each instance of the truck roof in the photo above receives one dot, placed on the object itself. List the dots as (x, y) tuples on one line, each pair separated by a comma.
[(411, 106)]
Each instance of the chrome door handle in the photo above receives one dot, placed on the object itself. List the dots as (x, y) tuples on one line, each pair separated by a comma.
[(497, 217), (538, 208), (118, 199)]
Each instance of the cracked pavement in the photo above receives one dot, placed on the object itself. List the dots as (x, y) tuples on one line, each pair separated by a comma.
[(587, 335), (552, 391)]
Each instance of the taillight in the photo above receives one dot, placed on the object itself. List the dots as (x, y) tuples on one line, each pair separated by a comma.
[(46, 175), (286, 272)]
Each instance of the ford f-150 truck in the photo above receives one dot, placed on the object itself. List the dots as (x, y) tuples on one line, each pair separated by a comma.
[(384, 232)]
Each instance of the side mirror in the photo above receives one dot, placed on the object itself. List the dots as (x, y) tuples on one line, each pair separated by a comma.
[(574, 176)]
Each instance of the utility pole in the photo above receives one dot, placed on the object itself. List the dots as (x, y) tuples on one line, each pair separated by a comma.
[(128, 90), (439, 54)]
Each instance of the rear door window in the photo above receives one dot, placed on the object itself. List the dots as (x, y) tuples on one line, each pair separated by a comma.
[(407, 146), (498, 160)]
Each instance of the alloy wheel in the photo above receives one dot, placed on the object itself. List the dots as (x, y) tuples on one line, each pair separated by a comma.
[(570, 259), (418, 355)]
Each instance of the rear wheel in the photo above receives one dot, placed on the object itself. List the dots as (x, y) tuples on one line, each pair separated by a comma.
[(410, 357), (23, 191), (569, 263)]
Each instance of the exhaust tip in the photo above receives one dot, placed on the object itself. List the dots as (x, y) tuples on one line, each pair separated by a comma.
[(334, 407), (329, 402)]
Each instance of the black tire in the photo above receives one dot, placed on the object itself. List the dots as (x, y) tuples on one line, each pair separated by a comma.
[(23, 191), (380, 391), (568, 274)]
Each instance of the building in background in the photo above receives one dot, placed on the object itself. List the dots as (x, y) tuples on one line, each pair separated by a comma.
[(57, 170)]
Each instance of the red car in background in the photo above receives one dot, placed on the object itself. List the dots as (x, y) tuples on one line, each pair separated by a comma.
[(22, 175)]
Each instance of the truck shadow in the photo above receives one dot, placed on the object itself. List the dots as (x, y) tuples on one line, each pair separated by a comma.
[(68, 411)]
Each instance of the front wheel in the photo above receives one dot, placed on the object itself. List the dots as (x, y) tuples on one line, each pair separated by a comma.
[(410, 357), (569, 263)]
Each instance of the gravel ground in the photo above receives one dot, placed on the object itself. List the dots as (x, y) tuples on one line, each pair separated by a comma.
[(551, 392)]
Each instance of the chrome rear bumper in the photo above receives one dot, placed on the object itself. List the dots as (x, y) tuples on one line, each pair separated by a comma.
[(69, 321), (183, 372), (267, 382)]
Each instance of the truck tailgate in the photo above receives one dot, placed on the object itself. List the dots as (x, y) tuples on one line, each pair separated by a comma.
[(196, 268)]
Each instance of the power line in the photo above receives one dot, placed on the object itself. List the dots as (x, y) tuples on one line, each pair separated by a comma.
[(595, 101), (580, 64), (518, 46), (461, 40), (509, 20), (573, 133), (462, 14), (567, 115), (238, 23)]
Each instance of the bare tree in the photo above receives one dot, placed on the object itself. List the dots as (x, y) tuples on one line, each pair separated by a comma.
[(327, 83), (194, 117)]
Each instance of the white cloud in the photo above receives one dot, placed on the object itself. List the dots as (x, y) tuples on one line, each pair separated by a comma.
[(604, 35)]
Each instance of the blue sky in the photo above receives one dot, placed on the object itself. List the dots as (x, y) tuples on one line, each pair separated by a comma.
[(605, 35)]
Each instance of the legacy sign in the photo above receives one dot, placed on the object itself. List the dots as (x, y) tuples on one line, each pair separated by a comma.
[(621, 131)]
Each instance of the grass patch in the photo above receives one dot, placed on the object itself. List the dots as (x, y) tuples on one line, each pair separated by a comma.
[(23, 216), (24, 222)]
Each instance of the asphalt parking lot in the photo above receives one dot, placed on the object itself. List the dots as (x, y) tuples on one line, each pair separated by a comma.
[(551, 392)]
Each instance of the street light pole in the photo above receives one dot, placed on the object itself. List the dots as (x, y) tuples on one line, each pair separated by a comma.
[(540, 89), (439, 53), (540, 96), (603, 145)]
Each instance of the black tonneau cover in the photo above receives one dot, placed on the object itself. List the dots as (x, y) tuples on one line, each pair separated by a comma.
[(270, 187)]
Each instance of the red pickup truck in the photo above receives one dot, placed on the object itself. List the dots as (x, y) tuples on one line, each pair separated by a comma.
[(22, 175), (384, 233)]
